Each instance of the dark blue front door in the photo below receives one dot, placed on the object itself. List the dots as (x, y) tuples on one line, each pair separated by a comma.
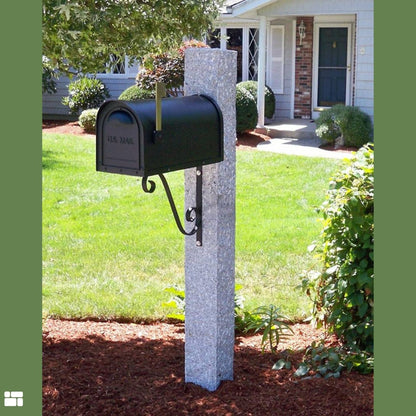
[(332, 66)]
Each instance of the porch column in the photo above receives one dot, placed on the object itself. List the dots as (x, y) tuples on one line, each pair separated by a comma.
[(261, 74)]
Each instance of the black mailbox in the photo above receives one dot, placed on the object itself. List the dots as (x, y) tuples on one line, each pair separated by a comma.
[(128, 143)]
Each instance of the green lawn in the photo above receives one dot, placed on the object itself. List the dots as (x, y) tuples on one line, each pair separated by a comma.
[(109, 249)]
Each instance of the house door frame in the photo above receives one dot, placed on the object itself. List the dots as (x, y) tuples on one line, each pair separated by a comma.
[(349, 75)]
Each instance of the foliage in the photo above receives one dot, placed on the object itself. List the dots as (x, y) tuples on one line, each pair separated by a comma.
[(85, 93), (87, 120), (167, 68), (327, 125), (352, 124), (177, 302), (272, 323), (343, 292), (48, 77), (356, 127), (246, 110), (82, 35), (269, 98), (135, 93)]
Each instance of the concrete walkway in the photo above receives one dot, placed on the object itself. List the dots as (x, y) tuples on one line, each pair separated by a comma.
[(297, 137)]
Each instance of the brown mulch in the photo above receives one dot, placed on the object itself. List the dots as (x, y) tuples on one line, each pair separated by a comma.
[(110, 368), (63, 127), (250, 139)]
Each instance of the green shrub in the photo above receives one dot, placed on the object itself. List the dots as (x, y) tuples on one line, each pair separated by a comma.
[(246, 110), (327, 124), (87, 120), (351, 123), (356, 127), (134, 93), (342, 292), (269, 98), (85, 93)]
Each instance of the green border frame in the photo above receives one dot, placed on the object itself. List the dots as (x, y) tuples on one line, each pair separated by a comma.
[(21, 205), (394, 210)]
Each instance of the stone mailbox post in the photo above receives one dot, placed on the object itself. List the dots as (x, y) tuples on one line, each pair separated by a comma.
[(209, 269)]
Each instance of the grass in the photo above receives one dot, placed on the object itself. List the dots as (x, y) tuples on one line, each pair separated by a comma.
[(109, 249)]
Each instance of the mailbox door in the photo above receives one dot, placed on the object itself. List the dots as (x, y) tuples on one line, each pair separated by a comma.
[(118, 140)]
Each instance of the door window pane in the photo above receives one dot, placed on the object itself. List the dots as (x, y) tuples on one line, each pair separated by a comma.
[(253, 54), (235, 43)]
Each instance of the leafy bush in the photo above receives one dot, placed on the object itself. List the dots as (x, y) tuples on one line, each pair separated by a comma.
[(351, 123), (168, 68), (85, 93), (343, 292), (87, 120), (269, 98), (134, 93), (246, 110)]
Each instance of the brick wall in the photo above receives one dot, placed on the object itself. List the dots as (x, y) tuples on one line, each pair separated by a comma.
[(303, 69)]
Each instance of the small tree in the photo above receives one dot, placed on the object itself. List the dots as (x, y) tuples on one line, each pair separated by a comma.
[(81, 35), (168, 68)]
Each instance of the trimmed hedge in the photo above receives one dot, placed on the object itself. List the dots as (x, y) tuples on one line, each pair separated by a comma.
[(246, 110), (351, 123), (87, 120), (134, 93), (269, 98)]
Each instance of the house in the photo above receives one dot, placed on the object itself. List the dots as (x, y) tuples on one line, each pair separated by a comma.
[(312, 53)]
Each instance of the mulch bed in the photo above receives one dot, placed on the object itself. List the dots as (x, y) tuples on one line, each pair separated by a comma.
[(110, 368), (245, 141), (123, 369)]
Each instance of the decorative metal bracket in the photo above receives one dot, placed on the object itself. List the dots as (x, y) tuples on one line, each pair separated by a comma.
[(193, 214)]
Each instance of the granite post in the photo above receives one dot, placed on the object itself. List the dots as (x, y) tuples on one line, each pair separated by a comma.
[(209, 269)]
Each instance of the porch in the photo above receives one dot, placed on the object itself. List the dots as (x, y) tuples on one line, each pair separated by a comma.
[(296, 137)]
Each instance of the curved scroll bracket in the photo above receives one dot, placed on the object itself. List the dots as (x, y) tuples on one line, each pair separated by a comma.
[(192, 215)]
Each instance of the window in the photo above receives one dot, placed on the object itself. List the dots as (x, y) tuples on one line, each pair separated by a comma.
[(253, 53), (117, 66), (235, 43), (245, 40)]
